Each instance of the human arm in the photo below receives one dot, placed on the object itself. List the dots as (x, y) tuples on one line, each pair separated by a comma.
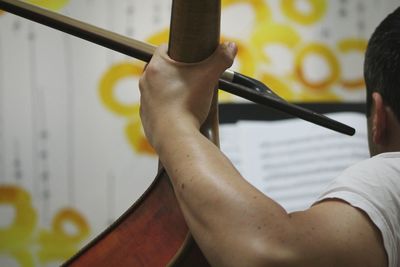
[(234, 223)]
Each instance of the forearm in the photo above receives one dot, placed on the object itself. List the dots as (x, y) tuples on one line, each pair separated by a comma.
[(234, 224), (227, 216)]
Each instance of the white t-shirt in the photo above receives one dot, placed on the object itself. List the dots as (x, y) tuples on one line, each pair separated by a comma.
[(373, 186)]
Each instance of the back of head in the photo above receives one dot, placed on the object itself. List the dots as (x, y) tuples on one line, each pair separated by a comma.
[(382, 63)]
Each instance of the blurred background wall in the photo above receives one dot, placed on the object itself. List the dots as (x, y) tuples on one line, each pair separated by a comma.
[(72, 153)]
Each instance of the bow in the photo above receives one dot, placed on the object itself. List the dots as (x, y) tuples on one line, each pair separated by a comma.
[(230, 81)]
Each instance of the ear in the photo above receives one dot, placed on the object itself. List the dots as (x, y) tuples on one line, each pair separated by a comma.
[(379, 119)]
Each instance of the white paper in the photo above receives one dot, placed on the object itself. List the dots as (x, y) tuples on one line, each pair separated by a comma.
[(292, 161)]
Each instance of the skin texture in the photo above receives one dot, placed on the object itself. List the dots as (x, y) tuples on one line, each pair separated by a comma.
[(383, 128), (234, 223)]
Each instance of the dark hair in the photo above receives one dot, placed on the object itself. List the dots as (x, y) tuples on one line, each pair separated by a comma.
[(382, 63)]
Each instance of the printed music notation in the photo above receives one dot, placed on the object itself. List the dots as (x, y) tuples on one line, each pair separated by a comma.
[(291, 160)]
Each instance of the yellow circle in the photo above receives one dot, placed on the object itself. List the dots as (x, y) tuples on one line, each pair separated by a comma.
[(348, 46), (21, 229), (324, 52), (260, 8), (159, 37), (273, 33), (50, 4), (110, 79), (136, 138), (56, 243), (318, 10)]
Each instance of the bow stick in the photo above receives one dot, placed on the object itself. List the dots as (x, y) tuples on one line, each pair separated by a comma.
[(230, 81)]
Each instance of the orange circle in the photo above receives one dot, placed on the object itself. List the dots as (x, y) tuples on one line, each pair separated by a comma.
[(71, 216), (350, 45), (318, 10), (109, 81), (324, 52)]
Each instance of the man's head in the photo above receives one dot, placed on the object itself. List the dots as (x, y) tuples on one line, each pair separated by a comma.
[(382, 77)]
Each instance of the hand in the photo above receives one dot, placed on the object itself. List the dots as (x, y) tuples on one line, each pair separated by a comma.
[(175, 94)]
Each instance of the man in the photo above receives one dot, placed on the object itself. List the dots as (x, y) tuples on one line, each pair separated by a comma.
[(356, 222)]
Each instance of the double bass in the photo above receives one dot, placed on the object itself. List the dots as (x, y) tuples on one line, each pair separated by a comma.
[(153, 231)]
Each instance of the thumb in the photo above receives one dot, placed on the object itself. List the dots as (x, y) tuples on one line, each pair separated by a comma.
[(224, 56)]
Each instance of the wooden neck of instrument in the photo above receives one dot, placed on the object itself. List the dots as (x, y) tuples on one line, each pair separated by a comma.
[(194, 36)]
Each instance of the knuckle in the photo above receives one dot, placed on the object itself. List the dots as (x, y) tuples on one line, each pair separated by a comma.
[(227, 59), (152, 69)]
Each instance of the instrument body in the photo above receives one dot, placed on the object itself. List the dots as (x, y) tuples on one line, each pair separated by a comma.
[(153, 231)]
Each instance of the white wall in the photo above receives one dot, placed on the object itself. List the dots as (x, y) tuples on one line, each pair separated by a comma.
[(64, 149)]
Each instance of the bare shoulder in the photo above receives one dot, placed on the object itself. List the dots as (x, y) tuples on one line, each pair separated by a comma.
[(337, 234)]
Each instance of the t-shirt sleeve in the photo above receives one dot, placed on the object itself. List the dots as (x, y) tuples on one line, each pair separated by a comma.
[(374, 188)]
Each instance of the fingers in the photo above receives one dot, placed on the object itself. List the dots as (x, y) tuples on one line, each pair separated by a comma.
[(162, 51), (226, 54), (212, 67), (222, 58)]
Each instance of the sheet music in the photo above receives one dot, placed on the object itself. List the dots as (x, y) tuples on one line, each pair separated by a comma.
[(229, 143), (292, 161)]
